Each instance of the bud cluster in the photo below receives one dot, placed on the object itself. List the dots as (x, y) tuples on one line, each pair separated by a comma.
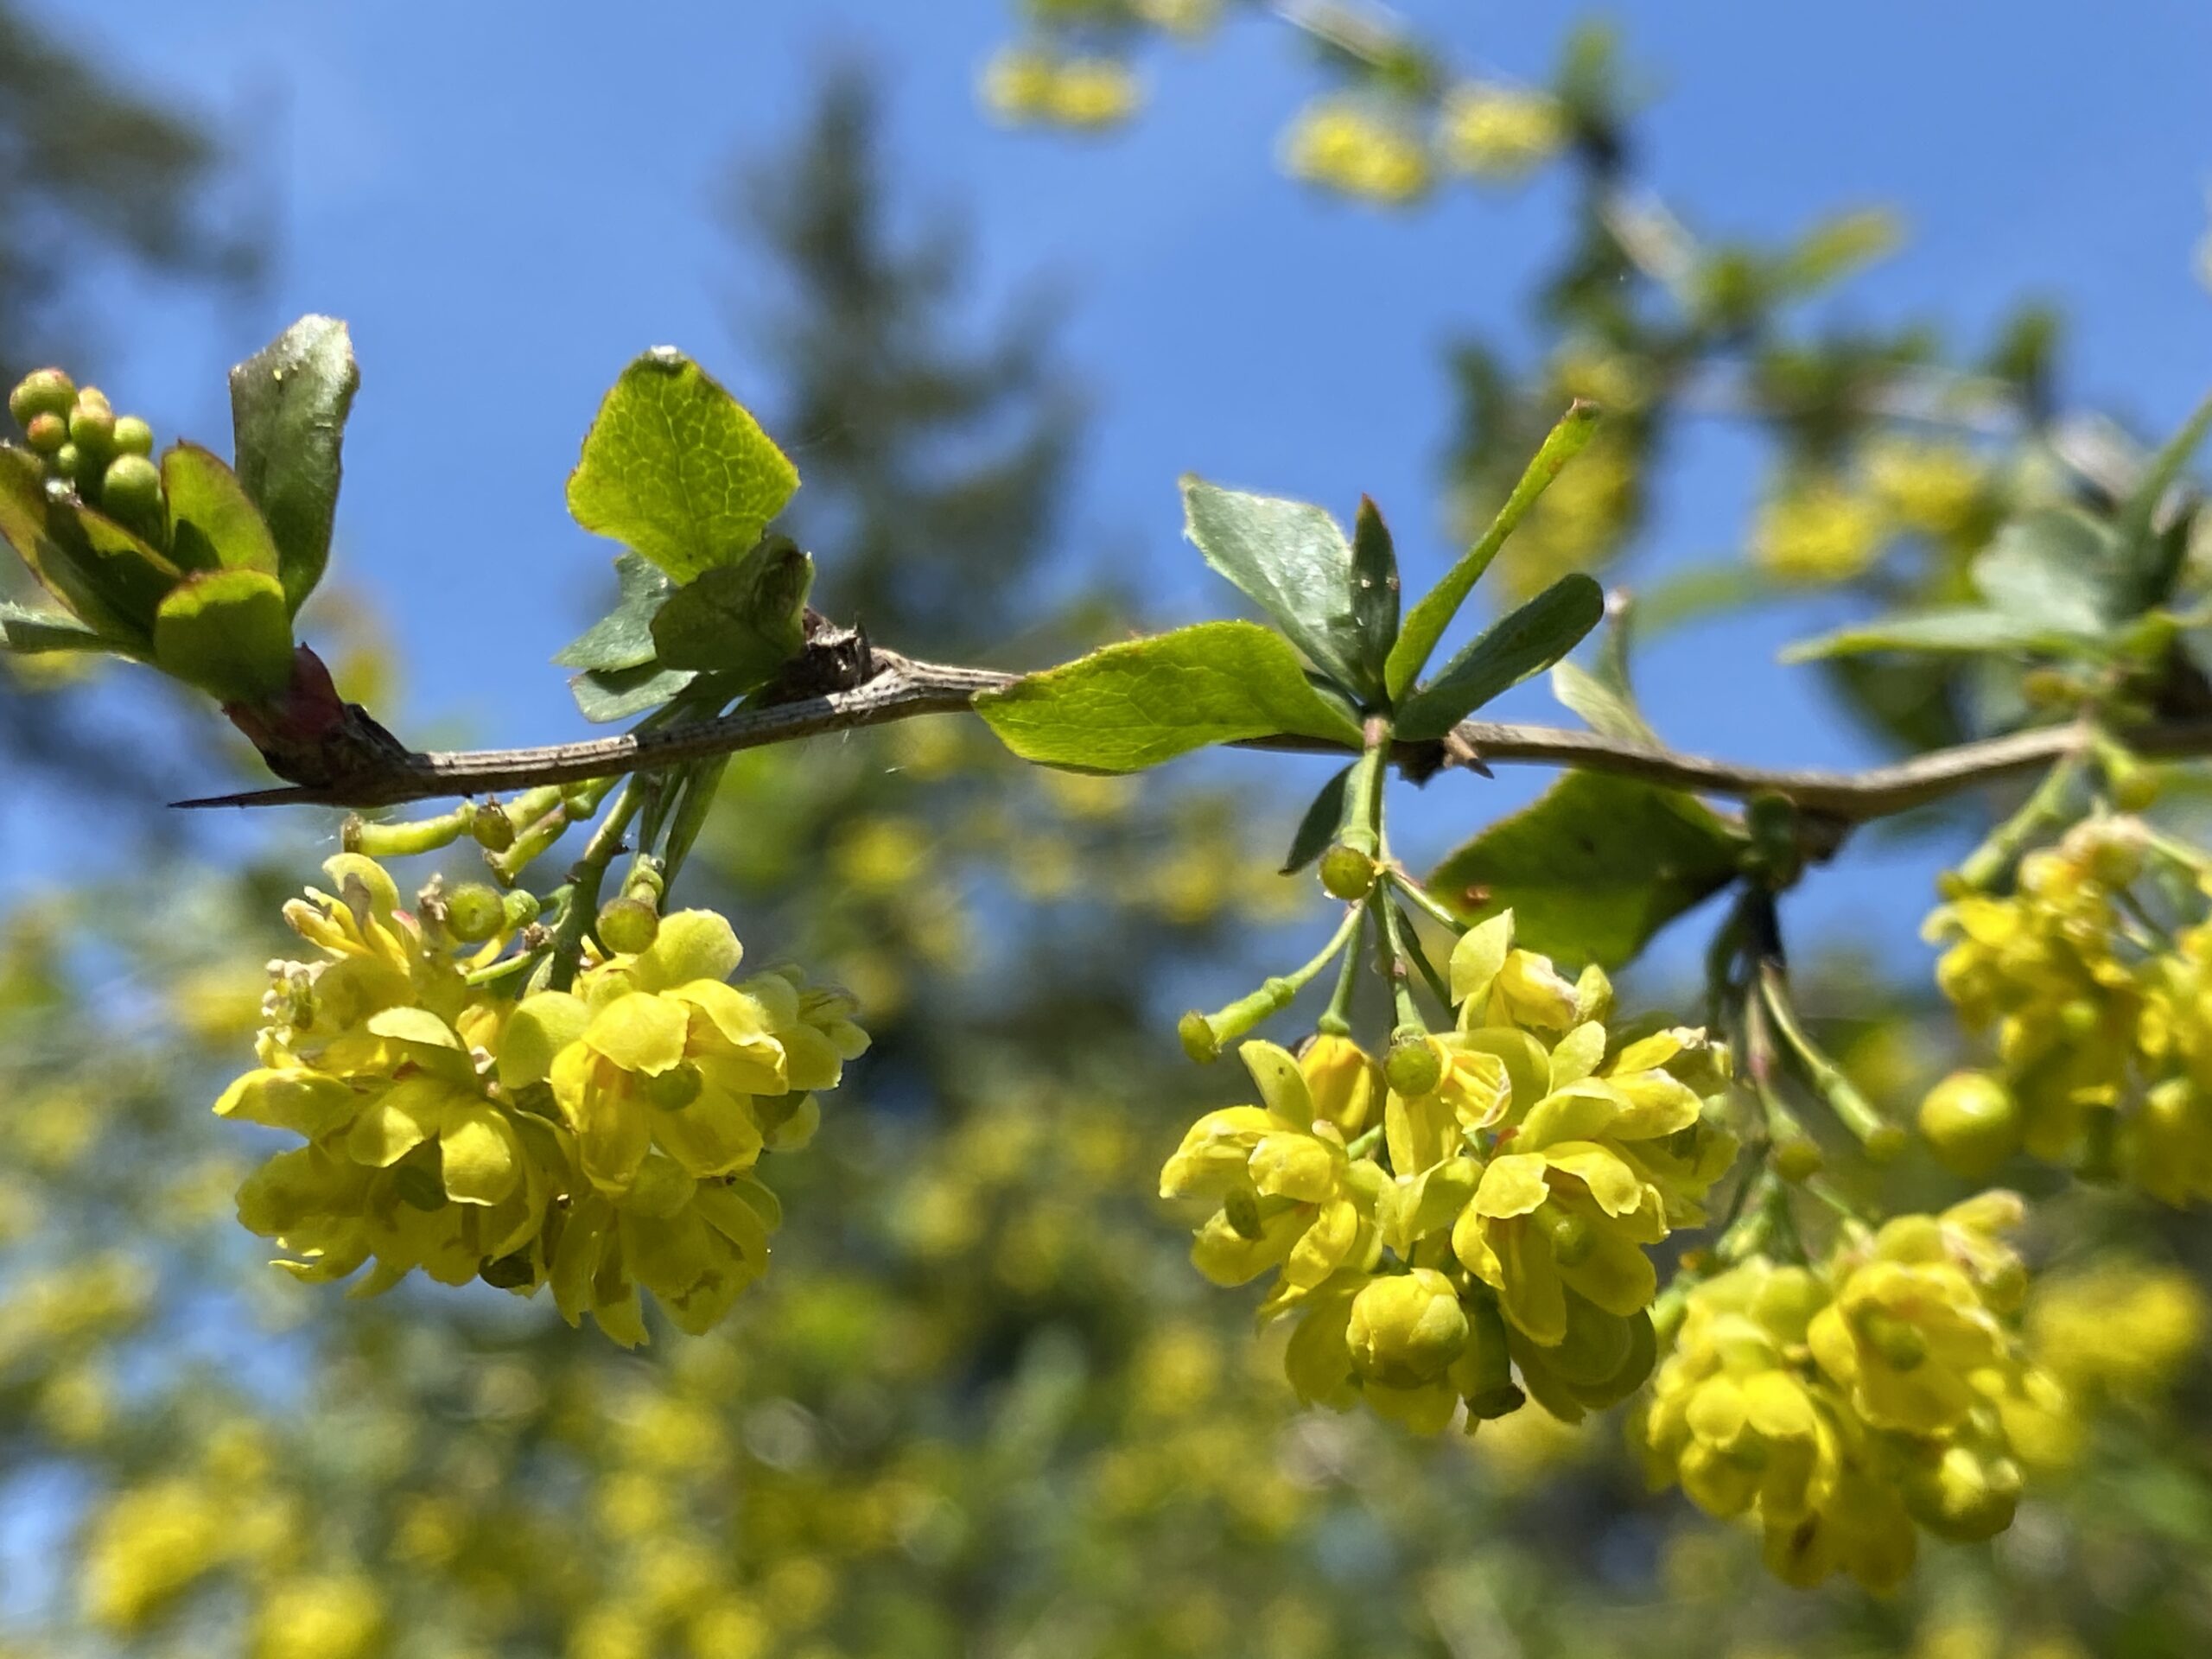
[(602, 1140), (105, 458), (1441, 1230), (2100, 1016), (1837, 1408)]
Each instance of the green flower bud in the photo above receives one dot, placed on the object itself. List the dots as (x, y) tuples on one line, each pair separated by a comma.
[(1406, 1329), (132, 491), (133, 437), (1972, 1123), (628, 925), (1200, 1041), (522, 908), (1902, 1345), (1347, 872), (46, 433), (1885, 1143), (1965, 1497), (494, 830), (92, 427), (475, 912), (675, 1089), (42, 391), (94, 397), (65, 461), (1797, 1158), (1412, 1066)]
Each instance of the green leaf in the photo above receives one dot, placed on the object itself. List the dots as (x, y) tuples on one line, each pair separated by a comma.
[(1603, 696), (2151, 563), (675, 468), (1132, 706), (30, 632), (1320, 825), (229, 633), (2056, 569), (1958, 630), (44, 534), (1374, 591), (1290, 559), (1593, 867), (1418, 637), (288, 403), (213, 524), (744, 619), (624, 637), (1526, 642), (603, 695)]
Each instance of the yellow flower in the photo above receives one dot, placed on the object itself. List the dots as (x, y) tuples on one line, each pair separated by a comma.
[(1289, 1196), (2124, 1327), (695, 1244), (1348, 144), (1500, 132), (1818, 529), (327, 1617)]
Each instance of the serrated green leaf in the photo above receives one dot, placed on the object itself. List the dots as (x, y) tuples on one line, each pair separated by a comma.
[(617, 694), (1417, 638), (1959, 630), (1292, 560), (227, 632), (1593, 869), (1320, 825), (744, 619), (213, 524), (1526, 641), (1375, 590), (1132, 706), (31, 633), (678, 470), (2056, 569), (288, 404), (624, 637)]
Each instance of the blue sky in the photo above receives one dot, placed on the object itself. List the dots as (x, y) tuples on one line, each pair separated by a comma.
[(508, 201)]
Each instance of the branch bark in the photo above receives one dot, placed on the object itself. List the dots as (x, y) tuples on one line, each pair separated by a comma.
[(903, 687)]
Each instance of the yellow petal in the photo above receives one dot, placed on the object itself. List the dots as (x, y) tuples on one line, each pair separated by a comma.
[(1286, 1166), (399, 1120), (540, 1027), (480, 1156), (713, 1136), (1282, 1085), (1513, 1185), (305, 1102), (692, 945), (639, 1033)]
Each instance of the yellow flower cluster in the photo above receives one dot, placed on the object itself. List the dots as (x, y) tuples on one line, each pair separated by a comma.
[(1818, 528), (1837, 1408), (1354, 146), (1500, 132), (2120, 1329), (601, 1139), (1030, 84), (2103, 1030), (1507, 1229)]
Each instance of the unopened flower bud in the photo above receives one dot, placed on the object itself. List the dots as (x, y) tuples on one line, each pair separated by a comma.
[(130, 490), (133, 437), (1798, 1158), (1972, 1123), (67, 461), (1347, 872), (494, 830), (1406, 1329), (42, 391), (628, 925), (522, 908), (1343, 1080), (1200, 1041), (92, 427), (1966, 1497), (46, 433), (1412, 1066), (475, 912), (675, 1089)]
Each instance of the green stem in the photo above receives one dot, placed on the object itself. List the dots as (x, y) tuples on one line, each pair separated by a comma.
[(1336, 1020), (1424, 900), (2042, 811), (1883, 1140), (1203, 1034), (406, 839), (1401, 990), (584, 883)]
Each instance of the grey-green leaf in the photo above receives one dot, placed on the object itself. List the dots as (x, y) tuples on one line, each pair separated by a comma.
[(1292, 560), (624, 637), (30, 632), (1959, 630), (288, 404), (1131, 706), (617, 694), (1525, 642), (678, 469), (2057, 569), (1593, 867), (1374, 592), (745, 619)]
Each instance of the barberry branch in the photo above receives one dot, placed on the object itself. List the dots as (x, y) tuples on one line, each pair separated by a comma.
[(902, 687)]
